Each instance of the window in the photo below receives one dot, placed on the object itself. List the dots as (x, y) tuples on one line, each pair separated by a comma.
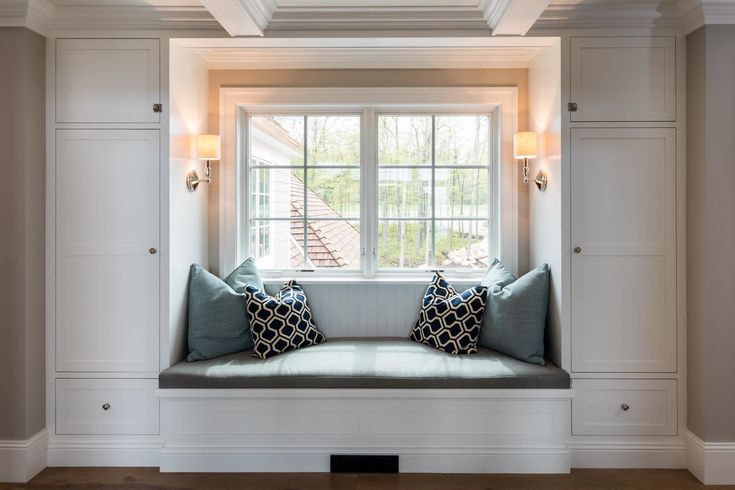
[(304, 175), (433, 191), (370, 191)]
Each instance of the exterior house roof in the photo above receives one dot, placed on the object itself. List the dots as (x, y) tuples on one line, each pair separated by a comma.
[(333, 243)]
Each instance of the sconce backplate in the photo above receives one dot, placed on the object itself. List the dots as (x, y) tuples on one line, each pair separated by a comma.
[(192, 180)]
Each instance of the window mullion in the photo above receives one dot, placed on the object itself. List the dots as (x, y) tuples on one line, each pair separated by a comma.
[(433, 191), (369, 198), (306, 195)]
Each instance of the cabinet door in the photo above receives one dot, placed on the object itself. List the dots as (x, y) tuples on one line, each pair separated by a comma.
[(107, 232), (107, 80), (624, 253), (623, 78)]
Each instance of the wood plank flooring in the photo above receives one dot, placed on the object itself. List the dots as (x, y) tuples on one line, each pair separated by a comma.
[(151, 478)]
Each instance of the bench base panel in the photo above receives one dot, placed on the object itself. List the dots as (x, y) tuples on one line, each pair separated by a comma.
[(442, 461), (437, 431)]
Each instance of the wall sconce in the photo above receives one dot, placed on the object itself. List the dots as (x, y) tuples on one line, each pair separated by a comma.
[(207, 149), (525, 146)]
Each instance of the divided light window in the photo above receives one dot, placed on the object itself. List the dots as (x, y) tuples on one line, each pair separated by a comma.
[(428, 195), (433, 191), (304, 196)]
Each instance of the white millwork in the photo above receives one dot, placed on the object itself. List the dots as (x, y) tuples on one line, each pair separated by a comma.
[(624, 113), (107, 260), (105, 181), (624, 256), (623, 79), (623, 193), (456, 431), (107, 81)]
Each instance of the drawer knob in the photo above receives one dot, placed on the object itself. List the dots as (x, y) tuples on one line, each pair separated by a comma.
[(152, 251), (625, 407), (106, 407), (577, 250)]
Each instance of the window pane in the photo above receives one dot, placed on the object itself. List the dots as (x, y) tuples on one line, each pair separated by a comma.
[(461, 244), (277, 244), (333, 140), (461, 193), (333, 193), (333, 244), (462, 140), (404, 140), (404, 193), (277, 140), (404, 244), (276, 192)]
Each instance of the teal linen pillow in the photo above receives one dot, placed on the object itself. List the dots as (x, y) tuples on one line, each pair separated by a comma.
[(515, 315), (245, 275), (218, 322)]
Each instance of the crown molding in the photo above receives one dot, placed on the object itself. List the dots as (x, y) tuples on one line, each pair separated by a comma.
[(242, 17), (447, 57), (601, 13), (133, 17), (365, 19), (697, 13), (35, 15), (512, 17), (380, 17)]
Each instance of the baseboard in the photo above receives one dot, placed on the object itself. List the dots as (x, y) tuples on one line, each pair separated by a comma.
[(22, 460), (418, 460), (713, 463), (627, 455), (93, 453)]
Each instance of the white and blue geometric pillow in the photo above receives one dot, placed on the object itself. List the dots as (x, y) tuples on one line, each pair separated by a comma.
[(448, 320), (282, 323)]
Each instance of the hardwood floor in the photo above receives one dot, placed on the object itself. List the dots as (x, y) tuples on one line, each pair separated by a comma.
[(150, 478)]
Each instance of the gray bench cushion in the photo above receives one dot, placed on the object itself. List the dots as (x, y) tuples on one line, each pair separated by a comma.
[(364, 363)]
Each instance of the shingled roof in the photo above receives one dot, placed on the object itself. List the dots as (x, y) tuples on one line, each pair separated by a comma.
[(333, 243)]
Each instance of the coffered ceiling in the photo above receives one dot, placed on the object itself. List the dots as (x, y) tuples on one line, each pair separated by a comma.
[(345, 18)]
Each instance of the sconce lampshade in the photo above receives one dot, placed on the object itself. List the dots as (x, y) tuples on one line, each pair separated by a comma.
[(208, 147), (525, 145)]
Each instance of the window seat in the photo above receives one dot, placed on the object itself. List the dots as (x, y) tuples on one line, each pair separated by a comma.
[(365, 363)]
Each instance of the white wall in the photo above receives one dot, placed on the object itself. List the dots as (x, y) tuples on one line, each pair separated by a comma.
[(189, 222), (544, 208)]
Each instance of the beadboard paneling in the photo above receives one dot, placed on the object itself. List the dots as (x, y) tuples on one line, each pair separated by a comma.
[(364, 310)]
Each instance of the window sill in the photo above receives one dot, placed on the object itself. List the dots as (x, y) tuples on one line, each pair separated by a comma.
[(408, 279)]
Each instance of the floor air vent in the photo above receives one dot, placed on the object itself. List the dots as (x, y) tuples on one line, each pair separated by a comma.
[(355, 463)]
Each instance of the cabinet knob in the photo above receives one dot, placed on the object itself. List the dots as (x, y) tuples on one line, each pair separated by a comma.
[(106, 407), (152, 251), (625, 407), (577, 250)]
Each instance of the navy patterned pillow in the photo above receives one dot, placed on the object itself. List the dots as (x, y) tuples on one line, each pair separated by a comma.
[(448, 320), (282, 323)]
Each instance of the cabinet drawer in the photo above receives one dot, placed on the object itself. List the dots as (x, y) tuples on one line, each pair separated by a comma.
[(106, 406), (617, 407)]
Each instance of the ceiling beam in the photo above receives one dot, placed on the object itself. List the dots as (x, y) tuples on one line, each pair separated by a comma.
[(242, 17), (512, 17)]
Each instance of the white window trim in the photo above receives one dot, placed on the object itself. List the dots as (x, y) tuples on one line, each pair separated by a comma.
[(236, 102)]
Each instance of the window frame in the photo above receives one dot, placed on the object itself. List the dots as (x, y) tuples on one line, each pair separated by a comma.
[(238, 104)]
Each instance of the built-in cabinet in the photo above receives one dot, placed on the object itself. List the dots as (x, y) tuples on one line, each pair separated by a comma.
[(107, 244), (623, 236), (623, 79), (106, 184), (624, 249), (107, 81)]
